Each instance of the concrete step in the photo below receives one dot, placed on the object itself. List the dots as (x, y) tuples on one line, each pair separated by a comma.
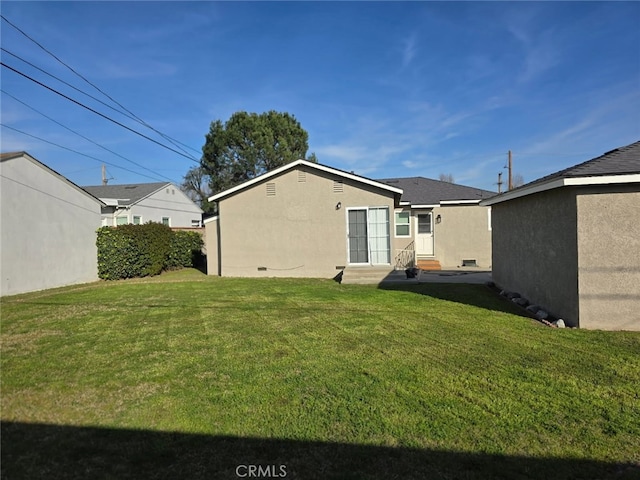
[(428, 264), (370, 275)]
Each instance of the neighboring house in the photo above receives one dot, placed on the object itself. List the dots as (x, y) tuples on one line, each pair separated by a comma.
[(570, 242), (310, 220), (146, 202), (47, 227)]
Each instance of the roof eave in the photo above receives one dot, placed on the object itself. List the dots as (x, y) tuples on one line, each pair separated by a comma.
[(562, 182), (289, 166)]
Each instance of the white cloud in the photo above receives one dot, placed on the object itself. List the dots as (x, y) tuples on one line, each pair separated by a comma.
[(409, 50)]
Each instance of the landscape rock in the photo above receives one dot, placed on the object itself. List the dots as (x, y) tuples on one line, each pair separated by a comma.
[(504, 293), (512, 295), (559, 323), (533, 308), (523, 302), (541, 314)]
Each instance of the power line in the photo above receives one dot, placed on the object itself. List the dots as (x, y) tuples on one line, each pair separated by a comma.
[(79, 153), (80, 135), (135, 117), (96, 112)]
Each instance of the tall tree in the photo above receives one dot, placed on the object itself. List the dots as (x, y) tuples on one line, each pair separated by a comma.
[(250, 144)]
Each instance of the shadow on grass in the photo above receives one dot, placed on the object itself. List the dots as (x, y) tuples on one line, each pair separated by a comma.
[(477, 295), (48, 451)]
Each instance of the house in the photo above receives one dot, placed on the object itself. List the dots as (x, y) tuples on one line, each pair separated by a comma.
[(570, 241), (47, 227), (139, 203), (443, 223), (309, 220)]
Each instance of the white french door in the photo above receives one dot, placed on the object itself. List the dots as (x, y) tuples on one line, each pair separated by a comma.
[(368, 236)]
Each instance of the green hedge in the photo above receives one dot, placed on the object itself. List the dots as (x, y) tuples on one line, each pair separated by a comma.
[(130, 251), (186, 249)]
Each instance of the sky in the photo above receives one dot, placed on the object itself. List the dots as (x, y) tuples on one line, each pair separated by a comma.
[(384, 89)]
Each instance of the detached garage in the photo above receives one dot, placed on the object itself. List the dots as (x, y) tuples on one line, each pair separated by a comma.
[(47, 227), (570, 241)]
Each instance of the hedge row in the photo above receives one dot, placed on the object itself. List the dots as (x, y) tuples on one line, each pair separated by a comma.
[(130, 251)]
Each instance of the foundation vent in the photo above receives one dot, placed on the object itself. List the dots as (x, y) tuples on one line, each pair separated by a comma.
[(338, 186), (469, 263), (271, 189)]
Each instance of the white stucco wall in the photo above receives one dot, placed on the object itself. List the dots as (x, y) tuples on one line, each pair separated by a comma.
[(47, 229)]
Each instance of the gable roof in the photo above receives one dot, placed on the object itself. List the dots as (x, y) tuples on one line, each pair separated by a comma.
[(12, 155), (311, 165), (425, 191), (128, 194), (621, 165)]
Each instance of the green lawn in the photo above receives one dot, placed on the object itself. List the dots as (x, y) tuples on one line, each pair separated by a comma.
[(189, 376)]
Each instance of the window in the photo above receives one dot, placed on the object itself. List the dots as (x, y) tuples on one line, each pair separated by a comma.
[(403, 224), (122, 220), (166, 221), (424, 223), (137, 220)]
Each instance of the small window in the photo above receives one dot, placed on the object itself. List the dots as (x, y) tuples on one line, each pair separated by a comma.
[(338, 186), (195, 223), (137, 220), (403, 225), (271, 189), (424, 223), (122, 220), (166, 221)]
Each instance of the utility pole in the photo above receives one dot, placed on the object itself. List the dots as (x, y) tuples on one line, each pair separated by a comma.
[(510, 177), (499, 182), (104, 175)]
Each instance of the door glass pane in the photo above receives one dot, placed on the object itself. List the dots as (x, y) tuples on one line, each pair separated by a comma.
[(424, 223), (358, 248), (379, 235)]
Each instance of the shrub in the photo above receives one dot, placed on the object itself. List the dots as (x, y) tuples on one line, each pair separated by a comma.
[(128, 251), (186, 248)]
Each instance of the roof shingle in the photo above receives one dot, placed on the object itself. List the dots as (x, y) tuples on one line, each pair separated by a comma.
[(126, 194), (425, 191)]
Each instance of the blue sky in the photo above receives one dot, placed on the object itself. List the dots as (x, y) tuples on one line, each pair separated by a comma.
[(385, 89)]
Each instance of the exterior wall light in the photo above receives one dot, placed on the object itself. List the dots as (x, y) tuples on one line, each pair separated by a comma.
[(338, 205), (438, 219)]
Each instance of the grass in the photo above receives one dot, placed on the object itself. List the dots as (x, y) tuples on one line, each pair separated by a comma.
[(188, 373)]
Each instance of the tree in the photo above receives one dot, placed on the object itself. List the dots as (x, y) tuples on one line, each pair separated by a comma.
[(195, 186), (446, 177), (248, 145), (517, 180)]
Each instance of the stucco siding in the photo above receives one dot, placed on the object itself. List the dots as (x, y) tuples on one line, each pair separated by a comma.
[(609, 257), (462, 234), (535, 250), (211, 243), (294, 229), (47, 229), (169, 202)]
